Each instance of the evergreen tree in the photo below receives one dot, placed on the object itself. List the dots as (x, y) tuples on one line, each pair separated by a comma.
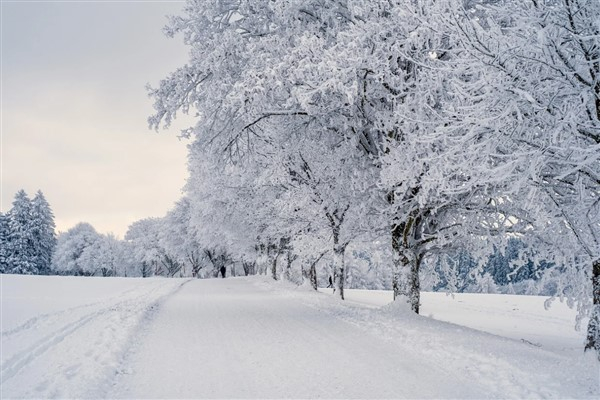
[(4, 243), (44, 236), (21, 249)]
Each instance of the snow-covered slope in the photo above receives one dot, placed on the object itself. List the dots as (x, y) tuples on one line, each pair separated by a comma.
[(251, 338)]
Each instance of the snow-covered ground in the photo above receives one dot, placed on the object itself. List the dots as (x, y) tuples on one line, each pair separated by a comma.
[(517, 317), (252, 338), (65, 336)]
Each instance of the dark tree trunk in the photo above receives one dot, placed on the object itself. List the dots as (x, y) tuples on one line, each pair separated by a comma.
[(274, 267), (405, 279), (171, 265), (249, 267), (288, 266), (195, 262), (339, 269), (196, 270), (336, 219), (313, 275), (290, 258), (106, 272), (396, 257), (145, 269), (312, 271), (592, 341), (158, 270)]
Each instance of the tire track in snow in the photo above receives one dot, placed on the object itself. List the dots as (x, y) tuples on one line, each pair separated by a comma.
[(128, 307), (12, 366), (36, 321)]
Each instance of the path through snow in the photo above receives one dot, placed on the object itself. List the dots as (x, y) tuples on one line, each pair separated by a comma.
[(239, 338), (252, 338)]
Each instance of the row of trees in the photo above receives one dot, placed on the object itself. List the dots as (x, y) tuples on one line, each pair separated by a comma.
[(418, 127), (151, 247), (167, 247), (27, 236)]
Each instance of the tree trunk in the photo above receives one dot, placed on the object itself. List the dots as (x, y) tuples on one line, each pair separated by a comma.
[(313, 275), (593, 331), (339, 270), (146, 270), (396, 257), (261, 264), (274, 267), (196, 269), (312, 271), (405, 279), (288, 266), (249, 267)]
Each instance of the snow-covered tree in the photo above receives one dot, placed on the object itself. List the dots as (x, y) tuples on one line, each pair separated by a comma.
[(27, 236), (4, 243), (104, 257), (21, 249), (73, 248), (179, 239), (149, 253), (250, 106), (540, 60), (143, 237), (329, 194), (44, 236)]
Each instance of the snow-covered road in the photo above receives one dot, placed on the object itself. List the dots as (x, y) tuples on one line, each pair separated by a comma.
[(252, 338), (239, 338), (229, 339)]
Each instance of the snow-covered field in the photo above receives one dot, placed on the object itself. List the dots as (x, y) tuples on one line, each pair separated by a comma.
[(517, 317), (66, 336), (252, 338)]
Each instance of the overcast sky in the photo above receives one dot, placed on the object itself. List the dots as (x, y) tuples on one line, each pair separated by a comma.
[(74, 109)]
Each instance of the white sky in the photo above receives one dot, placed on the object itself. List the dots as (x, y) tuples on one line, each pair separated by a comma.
[(74, 109)]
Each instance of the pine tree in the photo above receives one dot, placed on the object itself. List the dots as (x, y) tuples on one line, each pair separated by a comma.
[(4, 242), (44, 236), (21, 249)]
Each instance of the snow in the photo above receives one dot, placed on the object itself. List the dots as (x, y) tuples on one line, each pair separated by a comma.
[(254, 338), (63, 336), (512, 316)]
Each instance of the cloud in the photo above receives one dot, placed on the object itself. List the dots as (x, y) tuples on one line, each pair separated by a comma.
[(75, 108)]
